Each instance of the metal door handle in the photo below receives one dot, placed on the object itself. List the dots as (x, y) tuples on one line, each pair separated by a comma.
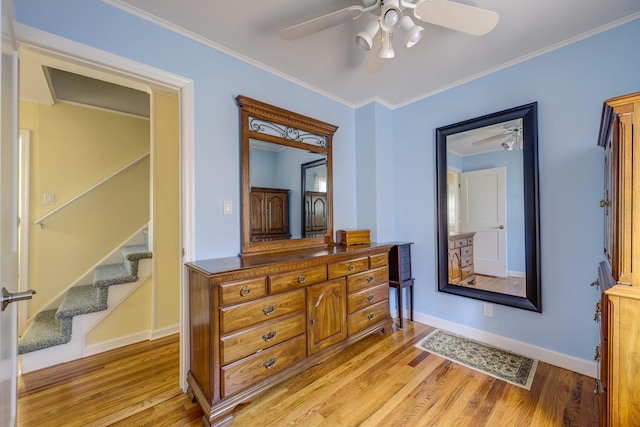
[(501, 227), (8, 297)]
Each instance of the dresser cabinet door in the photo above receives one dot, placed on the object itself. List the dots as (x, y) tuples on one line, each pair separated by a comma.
[(327, 311)]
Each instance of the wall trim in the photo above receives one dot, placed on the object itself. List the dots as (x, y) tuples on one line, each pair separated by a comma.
[(93, 349), (164, 332), (581, 366)]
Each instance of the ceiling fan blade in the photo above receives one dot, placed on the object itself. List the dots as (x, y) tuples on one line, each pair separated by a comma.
[(488, 140), (321, 23), (374, 62), (460, 17)]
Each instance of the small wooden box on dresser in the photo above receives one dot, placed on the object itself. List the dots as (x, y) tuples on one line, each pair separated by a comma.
[(619, 274), (259, 320)]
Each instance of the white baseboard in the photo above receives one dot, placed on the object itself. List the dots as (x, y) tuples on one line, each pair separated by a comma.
[(113, 344), (101, 347), (581, 366), (165, 332)]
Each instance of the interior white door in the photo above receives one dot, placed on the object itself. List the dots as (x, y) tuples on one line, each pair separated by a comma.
[(483, 211), (8, 218)]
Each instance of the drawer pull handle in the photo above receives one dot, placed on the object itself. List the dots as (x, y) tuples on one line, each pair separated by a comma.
[(370, 297), (269, 336), (596, 315), (596, 354), (269, 309), (302, 278), (371, 316), (379, 258), (244, 291), (270, 363), (369, 279), (351, 267)]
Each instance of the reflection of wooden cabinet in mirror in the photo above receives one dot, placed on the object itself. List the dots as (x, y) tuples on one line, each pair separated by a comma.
[(619, 304), (269, 214), (461, 259), (316, 214)]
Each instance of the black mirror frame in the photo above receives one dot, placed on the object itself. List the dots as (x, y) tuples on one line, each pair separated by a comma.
[(529, 115)]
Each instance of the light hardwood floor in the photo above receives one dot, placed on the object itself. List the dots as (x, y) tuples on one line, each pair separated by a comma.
[(382, 381)]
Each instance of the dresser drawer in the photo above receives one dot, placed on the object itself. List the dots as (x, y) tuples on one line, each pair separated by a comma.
[(346, 268), (378, 260), (358, 282), (467, 251), (460, 243), (235, 347), (466, 272), (246, 290), (252, 313), (296, 279), (464, 262), (253, 369), (367, 297), (369, 316)]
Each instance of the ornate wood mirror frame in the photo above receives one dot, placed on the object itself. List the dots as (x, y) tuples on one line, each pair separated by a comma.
[(525, 118), (262, 123)]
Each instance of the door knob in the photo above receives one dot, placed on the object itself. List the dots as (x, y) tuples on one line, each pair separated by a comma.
[(501, 227), (8, 297)]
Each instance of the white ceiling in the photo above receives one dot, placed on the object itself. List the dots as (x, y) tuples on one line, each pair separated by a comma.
[(331, 63)]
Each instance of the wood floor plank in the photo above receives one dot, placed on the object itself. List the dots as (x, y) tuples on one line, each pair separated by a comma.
[(384, 380)]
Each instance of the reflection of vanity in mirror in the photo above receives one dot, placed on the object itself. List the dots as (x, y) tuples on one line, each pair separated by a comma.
[(488, 208)]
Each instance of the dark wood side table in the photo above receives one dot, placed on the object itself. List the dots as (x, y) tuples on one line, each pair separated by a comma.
[(400, 275)]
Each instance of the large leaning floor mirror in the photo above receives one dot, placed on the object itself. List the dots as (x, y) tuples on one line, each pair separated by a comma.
[(488, 216), (286, 179)]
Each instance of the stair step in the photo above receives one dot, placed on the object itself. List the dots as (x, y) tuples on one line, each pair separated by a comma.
[(132, 254), (81, 300), (45, 331), (112, 274)]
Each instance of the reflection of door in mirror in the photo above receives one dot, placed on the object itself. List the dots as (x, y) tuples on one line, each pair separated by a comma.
[(314, 184), (485, 209)]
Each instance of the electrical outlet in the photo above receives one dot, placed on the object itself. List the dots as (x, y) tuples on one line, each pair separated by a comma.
[(488, 309)]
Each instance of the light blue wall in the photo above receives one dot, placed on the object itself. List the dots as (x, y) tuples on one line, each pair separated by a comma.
[(569, 85), (218, 79)]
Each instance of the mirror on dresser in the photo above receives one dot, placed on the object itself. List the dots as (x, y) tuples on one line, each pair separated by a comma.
[(488, 218), (276, 144)]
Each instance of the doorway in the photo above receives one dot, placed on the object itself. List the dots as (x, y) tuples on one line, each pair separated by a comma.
[(100, 63)]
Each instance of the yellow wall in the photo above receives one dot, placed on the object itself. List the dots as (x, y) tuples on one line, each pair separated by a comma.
[(167, 254), (73, 148), (132, 316)]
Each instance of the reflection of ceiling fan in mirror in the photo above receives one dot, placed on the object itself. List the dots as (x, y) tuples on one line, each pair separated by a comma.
[(512, 137), (392, 15)]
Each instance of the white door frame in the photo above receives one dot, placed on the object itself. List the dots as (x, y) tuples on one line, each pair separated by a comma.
[(71, 51)]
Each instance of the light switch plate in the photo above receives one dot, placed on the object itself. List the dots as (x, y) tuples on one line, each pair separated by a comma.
[(49, 198), (228, 207)]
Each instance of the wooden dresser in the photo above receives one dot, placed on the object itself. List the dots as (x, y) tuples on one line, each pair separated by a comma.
[(461, 270), (258, 320), (619, 274)]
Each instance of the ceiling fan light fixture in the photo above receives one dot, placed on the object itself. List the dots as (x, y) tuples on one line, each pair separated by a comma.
[(386, 50), (391, 17), (413, 33), (364, 39)]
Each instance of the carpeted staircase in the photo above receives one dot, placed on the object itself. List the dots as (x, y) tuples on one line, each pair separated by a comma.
[(54, 327)]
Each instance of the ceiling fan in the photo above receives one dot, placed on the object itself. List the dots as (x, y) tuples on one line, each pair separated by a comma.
[(377, 37), (512, 137)]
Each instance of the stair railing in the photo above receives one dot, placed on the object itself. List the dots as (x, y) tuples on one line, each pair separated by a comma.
[(87, 191)]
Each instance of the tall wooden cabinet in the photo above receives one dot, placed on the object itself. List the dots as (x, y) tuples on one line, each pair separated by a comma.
[(256, 321), (619, 275), (315, 208), (269, 214)]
